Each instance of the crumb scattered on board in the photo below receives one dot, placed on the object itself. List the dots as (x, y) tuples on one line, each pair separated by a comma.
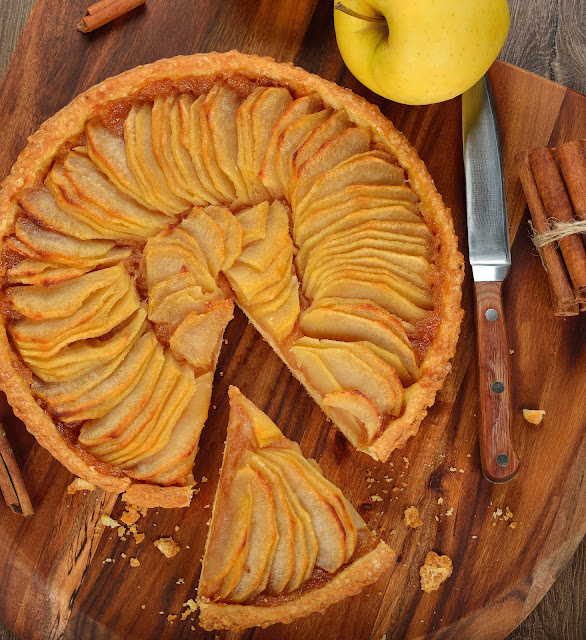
[(503, 516), (167, 546), (411, 518), (80, 485), (134, 562), (434, 571), (534, 416)]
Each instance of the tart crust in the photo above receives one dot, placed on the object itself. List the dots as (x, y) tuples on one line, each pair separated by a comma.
[(35, 160), (349, 581)]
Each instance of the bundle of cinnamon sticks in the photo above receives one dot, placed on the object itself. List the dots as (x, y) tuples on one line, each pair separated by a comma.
[(554, 181), (12, 484)]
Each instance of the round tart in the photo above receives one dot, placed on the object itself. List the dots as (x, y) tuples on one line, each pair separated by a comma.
[(139, 214)]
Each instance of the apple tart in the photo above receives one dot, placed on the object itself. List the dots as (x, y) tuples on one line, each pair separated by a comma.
[(283, 541), (142, 211)]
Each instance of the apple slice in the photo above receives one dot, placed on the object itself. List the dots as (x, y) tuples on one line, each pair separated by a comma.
[(99, 400), (50, 244), (262, 542), (61, 300), (39, 204), (78, 358), (154, 439), (107, 201), (301, 107), (356, 368), (305, 541), (192, 137), (73, 201), (324, 220), (101, 312), (247, 281), (342, 323), (369, 168), (388, 193), (315, 369), (329, 529), (256, 190), (192, 170), (282, 317), (289, 141), (107, 150), (380, 274), (228, 534), (313, 473), (43, 272), (359, 406), (254, 222), (170, 463), (334, 125), (209, 237), (108, 427), (372, 261), (118, 448), (169, 254), (198, 337), (348, 285), (332, 153), (219, 109), (220, 178), (262, 253), (233, 233), (266, 112)]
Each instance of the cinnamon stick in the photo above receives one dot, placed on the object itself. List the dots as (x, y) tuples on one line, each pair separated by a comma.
[(572, 160), (104, 11), (559, 283), (558, 206), (11, 482)]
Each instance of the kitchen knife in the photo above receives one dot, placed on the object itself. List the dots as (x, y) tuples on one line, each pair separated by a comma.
[(490, 257)]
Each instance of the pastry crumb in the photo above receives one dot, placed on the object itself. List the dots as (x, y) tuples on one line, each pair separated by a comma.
[(107, 521), (191, 608), (533, 416), (434, 571), (134, 562), (167, 546), (180, 581), (80, 485), (171, 618), (376, 498), (132, 514), (440, 500), (411, 518)]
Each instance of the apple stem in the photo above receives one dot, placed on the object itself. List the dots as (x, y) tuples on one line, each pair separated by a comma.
[(344, 9)]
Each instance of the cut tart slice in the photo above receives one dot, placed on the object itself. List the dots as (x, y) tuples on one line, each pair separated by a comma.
[(283, 541)]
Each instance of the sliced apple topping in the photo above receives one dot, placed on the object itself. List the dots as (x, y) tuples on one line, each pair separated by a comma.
[(369, 168), (197, 339), (136, 243), (298, 109), (276, 519)]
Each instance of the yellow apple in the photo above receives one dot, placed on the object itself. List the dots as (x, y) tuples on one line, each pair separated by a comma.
[(420, 51)]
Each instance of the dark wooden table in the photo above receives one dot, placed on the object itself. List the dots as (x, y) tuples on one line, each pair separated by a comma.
[(545, 38)]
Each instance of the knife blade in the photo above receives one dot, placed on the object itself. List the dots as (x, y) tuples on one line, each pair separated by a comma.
[(490, 258)]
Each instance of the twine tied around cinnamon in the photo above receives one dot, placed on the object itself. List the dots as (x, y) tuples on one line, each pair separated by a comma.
[(557, 231)]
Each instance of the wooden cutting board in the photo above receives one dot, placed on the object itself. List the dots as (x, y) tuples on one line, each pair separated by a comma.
[(55, 576)]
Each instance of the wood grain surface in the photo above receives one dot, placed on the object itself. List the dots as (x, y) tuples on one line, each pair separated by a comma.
[(541, 39)]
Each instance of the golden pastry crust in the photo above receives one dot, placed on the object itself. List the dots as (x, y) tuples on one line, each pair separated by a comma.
[(348, 582), (36, 158)]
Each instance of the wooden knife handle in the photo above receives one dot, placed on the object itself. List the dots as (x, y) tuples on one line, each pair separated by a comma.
[(498, 458)]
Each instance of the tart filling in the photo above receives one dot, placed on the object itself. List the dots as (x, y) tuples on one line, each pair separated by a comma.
[(138, 215), (281, 535)]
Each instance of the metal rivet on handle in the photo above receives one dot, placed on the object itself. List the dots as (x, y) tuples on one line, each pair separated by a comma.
[(502, 459), (498, 387), (491, 314)]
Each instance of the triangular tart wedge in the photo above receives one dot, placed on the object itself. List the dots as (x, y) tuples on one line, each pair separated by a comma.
[(283, 540)]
